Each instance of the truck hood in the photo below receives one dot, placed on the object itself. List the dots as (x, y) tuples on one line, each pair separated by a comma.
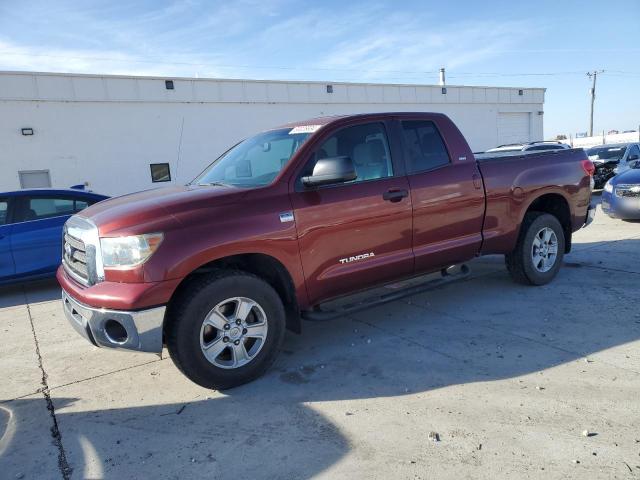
[(157, 209)]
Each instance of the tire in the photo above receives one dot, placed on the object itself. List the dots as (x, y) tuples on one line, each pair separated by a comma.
[(216, 298), (521, 262)]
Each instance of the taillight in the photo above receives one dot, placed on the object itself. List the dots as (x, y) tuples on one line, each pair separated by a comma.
[(588, 167)]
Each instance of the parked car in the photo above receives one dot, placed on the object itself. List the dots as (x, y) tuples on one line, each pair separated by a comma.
[(544, 146), (295, 216), (621, 194), (31, 230), (612, 159)]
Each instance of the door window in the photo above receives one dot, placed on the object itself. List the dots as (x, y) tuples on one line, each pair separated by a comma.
[(43, 207), (634, 150), (424, 147), (4, 211), (366, 145)]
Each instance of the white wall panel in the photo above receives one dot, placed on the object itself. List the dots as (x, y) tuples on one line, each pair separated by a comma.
[(106, 130)]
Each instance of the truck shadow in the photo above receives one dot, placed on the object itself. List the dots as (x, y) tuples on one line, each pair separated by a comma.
[(35, 291), (270, 428)]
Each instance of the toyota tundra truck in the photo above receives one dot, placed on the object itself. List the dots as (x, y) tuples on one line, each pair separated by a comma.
[(292, 218)]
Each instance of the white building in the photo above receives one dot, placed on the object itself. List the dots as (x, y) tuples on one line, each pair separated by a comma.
[(106, 131)]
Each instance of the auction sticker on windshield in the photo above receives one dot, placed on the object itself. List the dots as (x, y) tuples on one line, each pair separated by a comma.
[(305, 129)]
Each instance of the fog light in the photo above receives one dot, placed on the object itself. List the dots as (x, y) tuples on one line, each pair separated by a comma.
[(115, 331)]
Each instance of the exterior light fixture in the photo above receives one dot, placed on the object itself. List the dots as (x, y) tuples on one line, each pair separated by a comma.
[(168, 84), (27, 131), (329, 88)]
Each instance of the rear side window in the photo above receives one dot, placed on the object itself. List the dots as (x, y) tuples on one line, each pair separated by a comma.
[(38, 208), (4, 211), (546, 147), (424, 146), (43, 207)]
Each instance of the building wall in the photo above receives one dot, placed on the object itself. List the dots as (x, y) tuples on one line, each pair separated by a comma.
[(106, 130)]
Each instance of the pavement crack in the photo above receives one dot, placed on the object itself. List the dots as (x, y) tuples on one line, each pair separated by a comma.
[(63, 464)]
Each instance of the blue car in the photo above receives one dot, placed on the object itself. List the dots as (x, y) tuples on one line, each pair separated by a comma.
[(31, 230), (621, 194)]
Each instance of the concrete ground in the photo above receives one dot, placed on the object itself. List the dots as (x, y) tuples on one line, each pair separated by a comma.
[(508, 376)]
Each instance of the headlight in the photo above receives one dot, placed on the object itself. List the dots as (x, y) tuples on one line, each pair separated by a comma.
[(129, 251), (608, 187)]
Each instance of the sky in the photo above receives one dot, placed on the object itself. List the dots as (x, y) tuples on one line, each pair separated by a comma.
[(550, 44)]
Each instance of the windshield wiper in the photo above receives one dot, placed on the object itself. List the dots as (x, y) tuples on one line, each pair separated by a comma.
[(214, 184)]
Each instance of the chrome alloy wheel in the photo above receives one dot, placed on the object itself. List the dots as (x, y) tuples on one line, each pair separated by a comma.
[(233, 332), (544, 250)]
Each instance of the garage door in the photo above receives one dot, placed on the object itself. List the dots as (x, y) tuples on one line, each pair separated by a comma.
[(513, 127)]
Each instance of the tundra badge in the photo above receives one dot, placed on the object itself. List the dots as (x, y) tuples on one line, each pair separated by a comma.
[(362, 256)]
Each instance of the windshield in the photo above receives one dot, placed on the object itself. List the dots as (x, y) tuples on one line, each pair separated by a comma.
[(606, 153), (254, 162)]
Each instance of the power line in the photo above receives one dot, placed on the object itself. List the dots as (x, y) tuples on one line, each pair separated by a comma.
[(160, 61)]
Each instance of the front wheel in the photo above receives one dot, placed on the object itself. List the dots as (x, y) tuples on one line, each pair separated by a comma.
[(539, 252), (225, 329)]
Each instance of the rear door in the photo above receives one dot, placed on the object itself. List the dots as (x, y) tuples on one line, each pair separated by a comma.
[(446, 193), (37, 237), (357, 234), (7, 267)]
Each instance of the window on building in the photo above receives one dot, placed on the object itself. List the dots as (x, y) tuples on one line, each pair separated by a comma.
[(34, 179), (366, 145), (160, 172), (424, 146)]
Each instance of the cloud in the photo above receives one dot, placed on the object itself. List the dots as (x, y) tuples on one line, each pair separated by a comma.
[(255, 39)]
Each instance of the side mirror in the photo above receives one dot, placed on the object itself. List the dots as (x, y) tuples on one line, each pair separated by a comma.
[(331, 170), (635, 164), (635, 156)]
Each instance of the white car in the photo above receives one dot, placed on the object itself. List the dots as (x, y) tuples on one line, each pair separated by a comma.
[(623, 153), (529, 147)]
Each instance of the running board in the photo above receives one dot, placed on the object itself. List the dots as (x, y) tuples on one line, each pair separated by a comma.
[(447, 275)]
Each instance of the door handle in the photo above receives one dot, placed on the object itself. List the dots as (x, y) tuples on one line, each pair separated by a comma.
[(477, 182), (395, 195)]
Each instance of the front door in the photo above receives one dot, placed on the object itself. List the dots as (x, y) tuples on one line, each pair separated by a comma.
[(37, 236), (447, 196), (356, 234)]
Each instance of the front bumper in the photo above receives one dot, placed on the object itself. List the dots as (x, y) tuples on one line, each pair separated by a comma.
[(129, 330), (613, 206)]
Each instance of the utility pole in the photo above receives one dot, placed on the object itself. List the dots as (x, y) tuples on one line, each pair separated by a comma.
[(593, 75)]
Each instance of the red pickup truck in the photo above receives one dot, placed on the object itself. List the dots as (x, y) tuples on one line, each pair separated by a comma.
[(295, 216)]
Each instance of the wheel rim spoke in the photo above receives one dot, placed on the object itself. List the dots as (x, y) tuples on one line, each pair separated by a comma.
[(256, 330), (214, 349), (244, 307), (240, 355), (216, 319)]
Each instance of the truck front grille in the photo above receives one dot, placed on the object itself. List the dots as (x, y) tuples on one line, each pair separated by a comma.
[(74, 258), (629, 191)]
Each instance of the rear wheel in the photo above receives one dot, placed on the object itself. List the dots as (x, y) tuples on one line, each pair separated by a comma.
[(226, 329), (539, 252)]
